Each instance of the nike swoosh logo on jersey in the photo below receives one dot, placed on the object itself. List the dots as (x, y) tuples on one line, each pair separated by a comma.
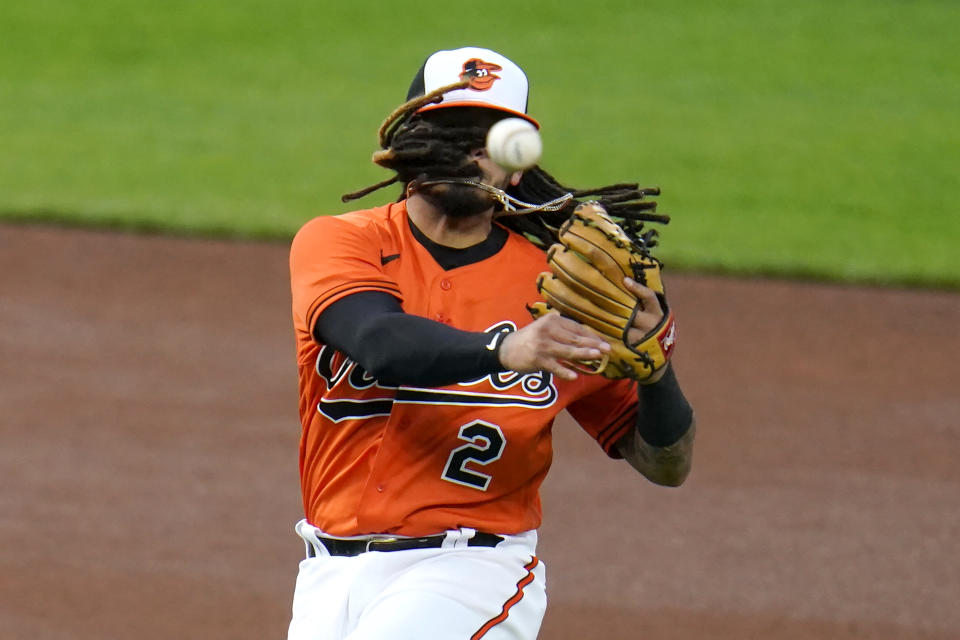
[(492, 346), (385, 259)]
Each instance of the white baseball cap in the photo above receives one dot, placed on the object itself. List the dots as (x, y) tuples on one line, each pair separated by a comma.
[(495, 81)]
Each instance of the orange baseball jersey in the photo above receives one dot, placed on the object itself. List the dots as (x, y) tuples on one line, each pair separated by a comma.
[(376, 458)]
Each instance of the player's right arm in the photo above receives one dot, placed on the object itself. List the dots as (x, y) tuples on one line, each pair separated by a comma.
[(400, 348), (343, 298)]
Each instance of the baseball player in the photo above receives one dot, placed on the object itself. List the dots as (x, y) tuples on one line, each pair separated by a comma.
[(427, 390)]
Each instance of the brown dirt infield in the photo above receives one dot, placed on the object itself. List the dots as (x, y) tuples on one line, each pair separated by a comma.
[(149, 458)]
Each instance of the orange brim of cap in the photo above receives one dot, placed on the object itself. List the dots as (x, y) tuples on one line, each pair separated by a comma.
[(485, 105)]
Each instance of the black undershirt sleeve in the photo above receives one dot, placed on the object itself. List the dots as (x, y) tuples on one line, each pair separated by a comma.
[(664, 414), (398, 348)]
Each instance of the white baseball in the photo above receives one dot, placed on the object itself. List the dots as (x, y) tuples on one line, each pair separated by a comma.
[(514, 144)]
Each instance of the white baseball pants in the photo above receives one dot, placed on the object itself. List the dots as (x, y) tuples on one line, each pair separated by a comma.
[(454, 592)]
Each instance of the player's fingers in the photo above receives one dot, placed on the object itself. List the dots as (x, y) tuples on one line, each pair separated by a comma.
[(567, 341), (573, 333), (575, 354), (646, 295), (559, 369), (560, 344), (570, 342), (650, 312)]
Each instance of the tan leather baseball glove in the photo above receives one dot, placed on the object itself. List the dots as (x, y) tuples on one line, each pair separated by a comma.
[(585, 283)]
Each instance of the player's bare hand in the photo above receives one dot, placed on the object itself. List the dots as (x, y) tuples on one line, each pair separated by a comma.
[(549, 344), (650, 313), (647, 318)]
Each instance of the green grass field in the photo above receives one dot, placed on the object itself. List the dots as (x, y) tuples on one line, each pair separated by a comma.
[(816, 139)]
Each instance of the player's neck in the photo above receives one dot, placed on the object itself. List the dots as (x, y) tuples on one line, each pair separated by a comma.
[(449, 231)]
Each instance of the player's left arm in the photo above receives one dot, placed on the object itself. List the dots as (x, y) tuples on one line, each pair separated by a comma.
[(651, 425), (661, 444)]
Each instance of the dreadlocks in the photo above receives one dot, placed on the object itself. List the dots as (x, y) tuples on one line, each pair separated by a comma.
[(437, 144), (625, 202)]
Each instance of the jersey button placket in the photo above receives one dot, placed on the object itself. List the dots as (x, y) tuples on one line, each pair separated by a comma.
[(445, 285)]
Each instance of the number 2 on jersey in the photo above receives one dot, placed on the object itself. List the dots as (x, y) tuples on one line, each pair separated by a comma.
[(485, 444)]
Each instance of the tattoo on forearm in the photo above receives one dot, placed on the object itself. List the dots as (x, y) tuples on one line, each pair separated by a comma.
[(668, 465)]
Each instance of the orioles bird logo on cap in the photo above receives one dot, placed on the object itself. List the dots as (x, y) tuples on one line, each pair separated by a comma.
[(480, 73)]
